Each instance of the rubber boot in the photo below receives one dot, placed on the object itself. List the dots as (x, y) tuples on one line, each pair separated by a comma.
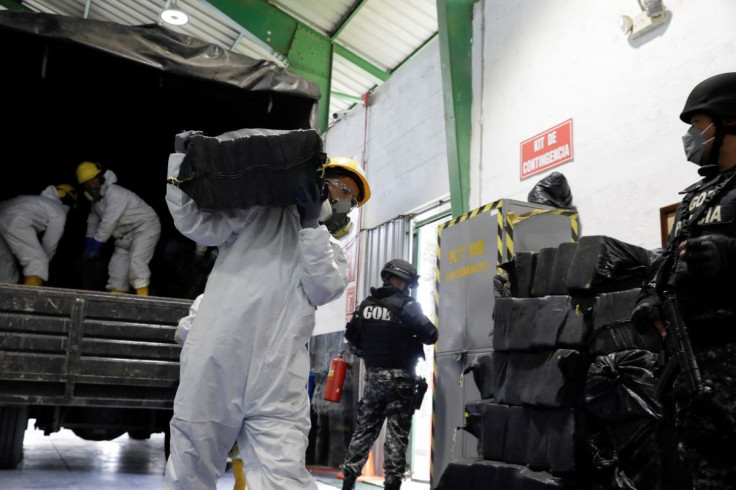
[(239, 475), (142, 291), (118, 291), (394, 485), (348, 482), (32, 281)]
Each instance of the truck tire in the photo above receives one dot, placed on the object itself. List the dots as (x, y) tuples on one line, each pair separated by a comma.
[(13, 423), (139, 435), (98, 433)]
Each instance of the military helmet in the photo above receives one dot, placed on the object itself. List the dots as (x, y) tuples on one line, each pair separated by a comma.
[(402, 269), (714, 96)]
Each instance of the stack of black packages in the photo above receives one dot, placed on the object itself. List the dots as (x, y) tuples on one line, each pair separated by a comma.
[(569, 309), (250, 167)]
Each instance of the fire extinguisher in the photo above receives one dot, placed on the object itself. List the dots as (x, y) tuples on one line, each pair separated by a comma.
[(336, 378)]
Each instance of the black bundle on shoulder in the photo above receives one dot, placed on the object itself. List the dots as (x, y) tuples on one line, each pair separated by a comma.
[(250, 167)]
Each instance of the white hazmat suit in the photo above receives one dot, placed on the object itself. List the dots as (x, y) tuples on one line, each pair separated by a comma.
[(244, 365), (22, 220), (134, 225)]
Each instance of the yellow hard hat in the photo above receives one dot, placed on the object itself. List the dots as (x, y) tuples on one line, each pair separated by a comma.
[(87, 171), (352, 168), (66, 190)]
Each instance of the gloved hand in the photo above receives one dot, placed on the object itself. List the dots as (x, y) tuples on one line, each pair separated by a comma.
[(91, 248), (710, 255), (181, 140), (647, 311), (309, 198)]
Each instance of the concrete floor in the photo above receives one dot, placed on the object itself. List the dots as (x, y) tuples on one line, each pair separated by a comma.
[(64, 461)]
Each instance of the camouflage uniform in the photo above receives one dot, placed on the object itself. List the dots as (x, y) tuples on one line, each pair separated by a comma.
[(387, 331), (388, 395), (708, 426)]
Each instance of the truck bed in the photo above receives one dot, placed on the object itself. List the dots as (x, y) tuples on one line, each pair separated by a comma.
[(86, 348)]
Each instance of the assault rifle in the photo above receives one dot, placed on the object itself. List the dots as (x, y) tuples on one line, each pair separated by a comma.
[(681, 358)]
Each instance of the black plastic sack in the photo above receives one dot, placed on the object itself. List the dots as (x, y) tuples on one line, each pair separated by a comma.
[(620, 387), (250, 167), (553, 190)]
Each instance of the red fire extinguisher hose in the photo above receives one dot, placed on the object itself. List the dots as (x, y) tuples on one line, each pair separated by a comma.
[(336, 378)]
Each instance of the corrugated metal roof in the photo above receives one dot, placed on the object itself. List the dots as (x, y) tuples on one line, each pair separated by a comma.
[(383, 32), (386, 32)]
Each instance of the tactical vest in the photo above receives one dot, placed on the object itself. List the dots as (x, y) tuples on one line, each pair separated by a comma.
[(384, 339), (708, 208)]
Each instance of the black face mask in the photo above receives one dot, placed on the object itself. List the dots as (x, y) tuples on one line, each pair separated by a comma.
[(93, 194), (338, 224)]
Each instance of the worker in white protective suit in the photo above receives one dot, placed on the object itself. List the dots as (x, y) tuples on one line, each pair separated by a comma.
[(182, 330), (30, 229), (121, 214), (244, 365)]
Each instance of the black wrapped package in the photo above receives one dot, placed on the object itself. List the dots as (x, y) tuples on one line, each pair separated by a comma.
[(545, 439), (620, 387), (541, 379), (458, 475), (520, 271), (563, 258), (528, 479), (497, 475), (613, 330), (553, 190), (482, 369), (493, 474), (527, 324), (543, 272), (602, 264), (493, 424), (250, 167), (578, 324), (473, 414)]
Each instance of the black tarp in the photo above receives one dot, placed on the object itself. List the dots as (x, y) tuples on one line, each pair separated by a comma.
[(80, 89)]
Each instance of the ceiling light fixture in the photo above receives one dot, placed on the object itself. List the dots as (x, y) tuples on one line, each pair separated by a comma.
[(172, 15)]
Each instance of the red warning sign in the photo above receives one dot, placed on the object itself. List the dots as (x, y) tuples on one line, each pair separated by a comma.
[(546, 150)]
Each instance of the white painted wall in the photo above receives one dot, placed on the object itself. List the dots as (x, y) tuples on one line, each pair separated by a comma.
[(405, 157), (400, 141), (540, 62)]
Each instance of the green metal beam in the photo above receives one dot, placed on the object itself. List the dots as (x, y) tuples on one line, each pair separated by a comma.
[(344, 23), (268, 23), (361, 63), (13, 5), (351, 98), (455, 19), (310, 56), (309, 52)]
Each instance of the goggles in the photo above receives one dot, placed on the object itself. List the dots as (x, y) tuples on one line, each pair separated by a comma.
[(344, 191)]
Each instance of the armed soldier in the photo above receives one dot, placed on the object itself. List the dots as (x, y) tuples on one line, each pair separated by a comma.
[(699, 268), (387, 331)]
